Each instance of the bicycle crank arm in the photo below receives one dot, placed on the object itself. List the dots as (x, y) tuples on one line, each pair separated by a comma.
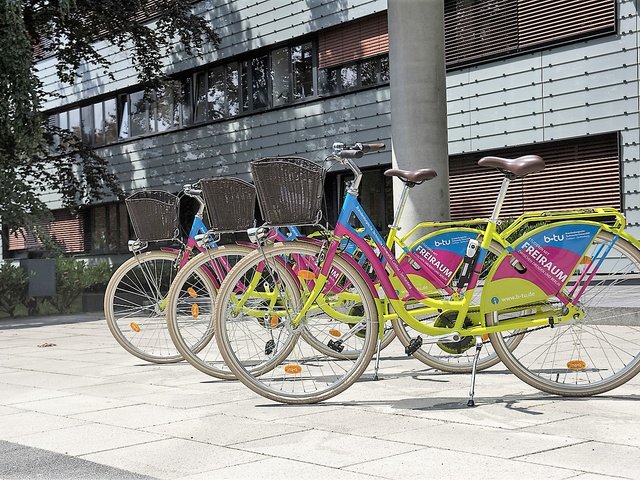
[(447, 337)]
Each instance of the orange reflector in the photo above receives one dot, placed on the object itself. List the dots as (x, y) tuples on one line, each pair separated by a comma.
[(195, 310), (585, 260), (275, 321), (485, 337), (134, 326), (292, 369), (576, 365), (192, 293), (306, 275), (334, 333)]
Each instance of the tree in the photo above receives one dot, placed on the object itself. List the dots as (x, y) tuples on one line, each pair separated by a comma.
[(36, 157)]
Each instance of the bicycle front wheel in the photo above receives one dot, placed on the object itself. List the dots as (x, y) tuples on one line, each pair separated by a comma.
[(190, 308), (134, 306), (596, 353), (260, 342)]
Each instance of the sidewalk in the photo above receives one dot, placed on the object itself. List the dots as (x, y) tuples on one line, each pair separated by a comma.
[(111, 415)]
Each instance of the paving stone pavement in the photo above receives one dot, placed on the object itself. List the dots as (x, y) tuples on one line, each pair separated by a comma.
[(85, 408)]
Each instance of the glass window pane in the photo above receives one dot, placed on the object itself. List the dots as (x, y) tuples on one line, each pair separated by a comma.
[(349, 76), (187, 102), (87, 124), (245, 86), (110, 121), (200, 97), (63, 120), (259, 72), (302, 60), (369, 72), (98, 124), (233, 100), (280, 76), (123, 111), (74, 122), (384, 69), (98, 228), (328, 80), (216, 96), (167, 114), (139, 114)]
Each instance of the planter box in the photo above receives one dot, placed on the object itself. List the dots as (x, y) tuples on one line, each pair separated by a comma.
[(92, 302)]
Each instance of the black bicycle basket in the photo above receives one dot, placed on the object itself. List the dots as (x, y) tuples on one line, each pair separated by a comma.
[(231, 203), (289, 190), (154, 215)]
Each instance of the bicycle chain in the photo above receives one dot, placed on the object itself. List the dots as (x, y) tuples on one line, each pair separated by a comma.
[(526, 331)]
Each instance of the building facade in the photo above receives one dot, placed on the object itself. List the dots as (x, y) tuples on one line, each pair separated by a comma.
[(556, 78)]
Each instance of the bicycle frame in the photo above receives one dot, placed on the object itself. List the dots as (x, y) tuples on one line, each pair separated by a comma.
[(460, 301)]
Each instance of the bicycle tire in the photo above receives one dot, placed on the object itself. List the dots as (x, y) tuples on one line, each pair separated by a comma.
[(133, 306), (192, 329), (294, 372), (606, 339)]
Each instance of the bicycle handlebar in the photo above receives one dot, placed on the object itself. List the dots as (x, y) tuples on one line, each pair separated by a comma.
[(356, 150), (351, 154)]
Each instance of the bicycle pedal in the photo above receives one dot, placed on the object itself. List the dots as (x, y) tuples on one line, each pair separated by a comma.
[(414, 345), (269, 347), (335, 345)]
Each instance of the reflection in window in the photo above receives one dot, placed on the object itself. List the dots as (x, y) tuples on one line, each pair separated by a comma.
[(109, 228), (368, 72), (86, 114), (302, 61), (167, 106), (123, 111), (139, 113), (280, 76), (187, 104), (200, 97), (74, 122), (216, 96), (259, 72), (110, 121), (233, 97), (98, 124)]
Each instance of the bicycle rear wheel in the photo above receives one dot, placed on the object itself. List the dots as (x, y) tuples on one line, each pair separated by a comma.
[(134, 306), (260, 343), (190, 308), (594, 354)]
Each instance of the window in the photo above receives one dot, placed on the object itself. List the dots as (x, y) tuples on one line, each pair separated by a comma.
[(272, 79), (109, 228), (476, 30), (372, 71)]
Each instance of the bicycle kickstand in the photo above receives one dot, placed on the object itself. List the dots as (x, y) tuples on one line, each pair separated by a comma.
[(377, 365), (472, 391)]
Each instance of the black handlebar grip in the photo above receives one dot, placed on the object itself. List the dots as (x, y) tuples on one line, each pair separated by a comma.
[(372, 147), (351, 153)]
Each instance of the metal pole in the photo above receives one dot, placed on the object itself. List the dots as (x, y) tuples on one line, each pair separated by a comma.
[(418, 104)]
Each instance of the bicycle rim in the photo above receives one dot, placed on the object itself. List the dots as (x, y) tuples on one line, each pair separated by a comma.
[(264, 348), (191, 304), (596, 353), (134, 306)]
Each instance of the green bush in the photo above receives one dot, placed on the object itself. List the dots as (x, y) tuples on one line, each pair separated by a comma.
[(14, 288), (73, 277)]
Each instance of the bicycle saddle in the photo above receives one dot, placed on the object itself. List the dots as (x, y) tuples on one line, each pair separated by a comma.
[(518, 167), (412, 176)]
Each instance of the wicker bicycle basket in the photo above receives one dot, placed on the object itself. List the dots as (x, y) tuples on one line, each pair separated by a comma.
[(289, 190), (231, 203), (154, 215)]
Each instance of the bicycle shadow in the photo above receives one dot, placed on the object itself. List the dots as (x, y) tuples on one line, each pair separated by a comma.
[(526, 403)]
